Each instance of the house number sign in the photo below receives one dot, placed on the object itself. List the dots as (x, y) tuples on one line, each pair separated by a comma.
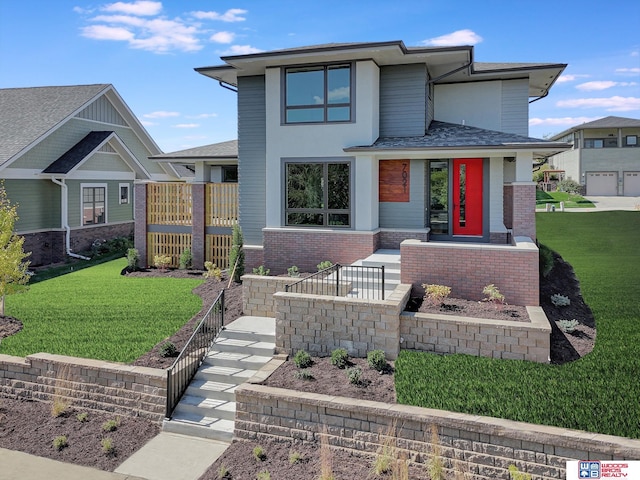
[(394, 180)]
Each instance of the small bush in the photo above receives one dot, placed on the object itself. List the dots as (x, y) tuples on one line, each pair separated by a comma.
[(83, 417), (435, 294), (293, 271), (339, 357), (236, 255), (223, 473), (302, 359), (516, 474), (546, 260), (324, 265), (133, 259), (258, 453), (492, 294), (60, 442), (355, 375), (560, 300), (295, 457), (110, 425), (212, 271), (186, 259), (261, 270), (161, 262), (264, 475), (107, 446), (303, 375), (568, 326), (376, 360), (569, 186), (168, 349)]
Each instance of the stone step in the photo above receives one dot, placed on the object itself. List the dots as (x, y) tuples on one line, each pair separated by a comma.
[(215, 373), (200, 426), (236, 359), (217, 390), (206, 407)]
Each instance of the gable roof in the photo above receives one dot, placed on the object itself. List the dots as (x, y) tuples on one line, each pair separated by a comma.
[(29, 113), (605, 122), (76, 154), (443, 135)]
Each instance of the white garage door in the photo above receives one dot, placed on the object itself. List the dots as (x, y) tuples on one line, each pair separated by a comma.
[(631, 184), (602, 183)]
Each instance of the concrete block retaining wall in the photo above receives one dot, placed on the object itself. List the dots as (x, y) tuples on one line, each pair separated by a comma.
[(93, 384), (320, 324), (257, 294), (482, 447), (480, 337)]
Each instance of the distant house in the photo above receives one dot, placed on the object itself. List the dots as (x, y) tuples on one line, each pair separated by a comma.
[(344, 149), (69, 157), (605, 157)]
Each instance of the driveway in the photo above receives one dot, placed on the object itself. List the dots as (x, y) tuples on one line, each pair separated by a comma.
[(610, 203)]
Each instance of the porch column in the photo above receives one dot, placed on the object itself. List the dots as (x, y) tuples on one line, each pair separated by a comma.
[(140, 217), (198, 234), (365, 189), (524, 197)]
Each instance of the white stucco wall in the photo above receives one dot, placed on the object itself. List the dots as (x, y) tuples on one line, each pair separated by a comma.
[(473, 104)]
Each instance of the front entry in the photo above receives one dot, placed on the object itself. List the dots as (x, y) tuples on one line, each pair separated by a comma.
[(467, 196)]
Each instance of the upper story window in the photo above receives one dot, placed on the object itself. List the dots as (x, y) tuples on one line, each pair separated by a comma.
[(230, 174), (124, 193), (608, 142), (319, 94)]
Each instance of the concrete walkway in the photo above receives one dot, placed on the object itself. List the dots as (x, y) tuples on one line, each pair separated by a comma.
[(168, 456), (605, 204)]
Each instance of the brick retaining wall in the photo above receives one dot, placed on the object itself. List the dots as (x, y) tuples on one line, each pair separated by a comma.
[(94, 384), (483, 447)]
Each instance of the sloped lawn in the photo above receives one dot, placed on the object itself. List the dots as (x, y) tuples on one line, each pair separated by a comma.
[(598, 393), (554, 198), (98, 313)]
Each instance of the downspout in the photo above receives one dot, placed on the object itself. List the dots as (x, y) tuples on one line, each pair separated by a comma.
[(64, 212)]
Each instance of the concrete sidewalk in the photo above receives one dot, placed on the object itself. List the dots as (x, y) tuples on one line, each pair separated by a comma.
[(167, 456)]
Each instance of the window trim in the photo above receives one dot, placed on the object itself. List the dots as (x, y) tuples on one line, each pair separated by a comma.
[(127, 200), (325, 66), (626, 141), (106, 202), (326, 211)]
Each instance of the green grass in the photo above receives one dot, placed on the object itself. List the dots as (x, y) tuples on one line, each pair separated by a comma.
[(554, 198), (98, 313), (598, 393)]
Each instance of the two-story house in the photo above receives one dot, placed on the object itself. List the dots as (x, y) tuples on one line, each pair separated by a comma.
[(344, 149)]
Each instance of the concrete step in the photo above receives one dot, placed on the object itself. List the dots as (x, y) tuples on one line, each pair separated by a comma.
[(229, 332), (210, 407), (200, 426), (215, 373), (218, 390), (236, 359), (250, 347)]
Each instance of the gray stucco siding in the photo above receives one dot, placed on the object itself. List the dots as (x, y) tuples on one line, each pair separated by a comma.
[(38, 204), (407, 214), (252, 157), (403, 100)]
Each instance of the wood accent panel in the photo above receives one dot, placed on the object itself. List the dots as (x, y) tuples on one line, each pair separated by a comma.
[(394, 180)]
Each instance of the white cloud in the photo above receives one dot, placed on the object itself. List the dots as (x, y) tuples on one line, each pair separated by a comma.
[(140, 7), (223, 37), (187, 125), (161, 114), (635, 53), (628, 70), (570, 78), (603, 85), (241, 50), (560, 121), (203, 115), (611, 104), (459, 37), (147, 123), (123, 19), (104, 32), (231, 15)]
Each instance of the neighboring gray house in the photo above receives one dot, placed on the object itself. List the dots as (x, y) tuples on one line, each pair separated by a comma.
[(69, 157), (605, 157)]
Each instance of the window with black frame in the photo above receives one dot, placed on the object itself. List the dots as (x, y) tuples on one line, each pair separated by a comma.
[(318, 194)]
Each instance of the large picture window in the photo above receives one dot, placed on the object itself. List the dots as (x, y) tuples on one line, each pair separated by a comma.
[(318, 194), (320, 94), (94, 205)]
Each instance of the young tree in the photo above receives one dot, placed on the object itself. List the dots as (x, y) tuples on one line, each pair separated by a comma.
[(13, 268), (236, 256)]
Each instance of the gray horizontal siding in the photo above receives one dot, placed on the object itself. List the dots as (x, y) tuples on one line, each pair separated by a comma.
[(252, 153), (515, 106), (407, 214), (403, 100), (38, 203)]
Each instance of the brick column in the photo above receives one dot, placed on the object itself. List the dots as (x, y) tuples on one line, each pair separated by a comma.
[(524, 209), (198, 235), (140, 213)]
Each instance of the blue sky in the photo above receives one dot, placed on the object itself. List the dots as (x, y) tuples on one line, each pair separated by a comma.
[(148, 50)]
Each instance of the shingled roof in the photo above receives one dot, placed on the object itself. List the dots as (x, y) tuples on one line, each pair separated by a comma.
[(76, 154), (228, 149), (605, 122), (29, 113)]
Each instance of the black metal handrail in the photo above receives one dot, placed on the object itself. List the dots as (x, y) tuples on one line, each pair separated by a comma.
[(179, 375), (343, 280)]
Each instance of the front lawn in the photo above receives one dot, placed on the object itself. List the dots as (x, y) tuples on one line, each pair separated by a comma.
[(598, 393), (98, 313), (554, 198)]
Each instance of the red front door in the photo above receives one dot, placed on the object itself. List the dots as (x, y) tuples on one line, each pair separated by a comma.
[(467, 196)]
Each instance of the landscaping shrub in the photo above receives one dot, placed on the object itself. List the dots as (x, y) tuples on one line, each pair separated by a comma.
[(133, 259), (302, 359), (212, 271), (560, 300), (261, 271), (492, 294), (259, 454), (186, 259), (324, 265), (168, 349), (161, 262), (568, 326), (376, 360), (435, 294), (293, 271), (569, 186), (236, 256), (355, 375), (60, 442), (546, 259), (339, 357)]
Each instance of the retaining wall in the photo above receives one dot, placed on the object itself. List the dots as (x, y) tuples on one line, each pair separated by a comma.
[(482, 447), (93, 384)]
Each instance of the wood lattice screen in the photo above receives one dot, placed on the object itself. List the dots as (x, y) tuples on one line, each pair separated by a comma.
[(169, 204), (222, 204), (217, 250), (171, 244)]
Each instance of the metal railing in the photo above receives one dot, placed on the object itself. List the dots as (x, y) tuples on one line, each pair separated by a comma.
[(179, 375), (343, 281)]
